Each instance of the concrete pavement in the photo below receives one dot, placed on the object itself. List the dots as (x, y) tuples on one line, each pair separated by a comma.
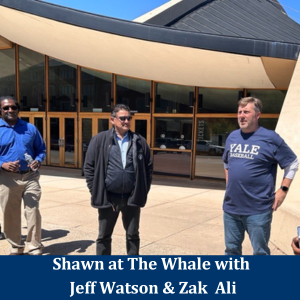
[(182, 217)]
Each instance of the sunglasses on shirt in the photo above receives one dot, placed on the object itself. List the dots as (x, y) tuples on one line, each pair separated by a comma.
[(13, 107), (123, 118)]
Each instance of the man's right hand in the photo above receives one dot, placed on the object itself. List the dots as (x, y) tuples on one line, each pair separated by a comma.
[(11, 166), (295, 245)]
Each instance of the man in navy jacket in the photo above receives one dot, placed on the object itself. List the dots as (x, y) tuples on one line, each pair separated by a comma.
[(118, 170)]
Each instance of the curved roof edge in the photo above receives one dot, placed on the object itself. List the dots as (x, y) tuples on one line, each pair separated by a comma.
[(152, 33)]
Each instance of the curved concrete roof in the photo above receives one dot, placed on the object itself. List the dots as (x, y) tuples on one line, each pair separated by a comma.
[(145, 51)]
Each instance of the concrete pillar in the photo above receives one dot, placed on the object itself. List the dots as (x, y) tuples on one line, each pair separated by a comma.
[(287, 217)]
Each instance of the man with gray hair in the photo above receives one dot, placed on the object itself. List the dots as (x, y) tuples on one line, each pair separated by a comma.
[(252, 154), (118, 170)]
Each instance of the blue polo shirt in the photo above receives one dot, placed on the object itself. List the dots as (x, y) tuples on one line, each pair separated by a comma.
[(123, 143), (19, 139)]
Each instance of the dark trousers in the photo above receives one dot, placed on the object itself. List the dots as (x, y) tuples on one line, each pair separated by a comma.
[(107, 221)]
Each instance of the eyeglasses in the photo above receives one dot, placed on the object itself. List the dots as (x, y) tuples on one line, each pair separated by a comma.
[(13, 107), (123, 118)]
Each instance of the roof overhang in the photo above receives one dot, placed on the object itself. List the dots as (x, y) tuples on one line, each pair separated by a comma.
[(143, 51)]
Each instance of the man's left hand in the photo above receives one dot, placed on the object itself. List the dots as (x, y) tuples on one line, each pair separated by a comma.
[(35, 165), (279, 198)]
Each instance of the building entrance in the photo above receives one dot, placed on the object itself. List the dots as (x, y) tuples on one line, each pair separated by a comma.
[(62, 141)]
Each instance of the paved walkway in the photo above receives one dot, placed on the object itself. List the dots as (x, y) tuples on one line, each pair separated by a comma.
[(182, 217)]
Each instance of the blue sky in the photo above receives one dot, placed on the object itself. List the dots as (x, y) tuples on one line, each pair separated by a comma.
[(122, 9), (131, 9)]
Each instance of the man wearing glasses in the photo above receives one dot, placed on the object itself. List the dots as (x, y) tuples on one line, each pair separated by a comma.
[(18, 180), (118, 170)]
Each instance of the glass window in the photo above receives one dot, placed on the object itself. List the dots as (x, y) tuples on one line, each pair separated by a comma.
[(218, 100), (26, 119), (69, 141), (102, 124), (134, 92), (141, 127), (174, 133), (86, 136), (272, 100), (95, 91), (7, 73), (210, 144), (172, 163), (86, 131), (54, 140), (172, 98), (62, 86), (39, 124), (268, 123), (31, 69)]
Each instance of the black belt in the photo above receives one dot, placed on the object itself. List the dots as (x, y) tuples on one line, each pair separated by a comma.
[(18, 172), (24, 171)]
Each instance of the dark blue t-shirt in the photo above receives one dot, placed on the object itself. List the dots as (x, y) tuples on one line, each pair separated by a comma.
[(252, 160)]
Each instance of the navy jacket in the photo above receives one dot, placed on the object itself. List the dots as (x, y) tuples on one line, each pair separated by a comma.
[(95, 167)]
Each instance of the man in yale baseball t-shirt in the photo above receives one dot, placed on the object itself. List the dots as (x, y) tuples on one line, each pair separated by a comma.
[(252, 154)]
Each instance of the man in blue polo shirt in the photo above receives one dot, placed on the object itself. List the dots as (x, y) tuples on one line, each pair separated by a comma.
[(252, 154), (19, 179)]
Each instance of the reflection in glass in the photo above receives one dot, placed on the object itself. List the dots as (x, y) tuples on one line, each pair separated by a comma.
[(32, 69), (96, 91), (175, 133), (7, 72), (171, 98), (62, 86), (272, 100), (218, 100), (102, 124), (268, 123), (141, 127), (86, 131), (26, 119), (173, 163), (134, 92), (39, 124), (86, 136), (54, 140), (69, 141), (210, 145)]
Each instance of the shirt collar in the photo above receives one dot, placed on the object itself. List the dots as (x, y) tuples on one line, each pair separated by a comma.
[(5, 124), (126, 136)]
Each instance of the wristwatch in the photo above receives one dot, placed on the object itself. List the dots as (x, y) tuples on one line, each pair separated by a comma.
[(284, 188)]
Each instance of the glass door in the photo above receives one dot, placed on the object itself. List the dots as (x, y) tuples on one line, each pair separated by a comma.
[(37, 119), (141, 125), (90, 125), (62, 146)]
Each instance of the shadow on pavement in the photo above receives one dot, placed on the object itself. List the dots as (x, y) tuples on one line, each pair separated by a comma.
[(68, 247)]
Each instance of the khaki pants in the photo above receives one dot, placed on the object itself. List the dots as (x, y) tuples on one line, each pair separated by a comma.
[(13, 188)]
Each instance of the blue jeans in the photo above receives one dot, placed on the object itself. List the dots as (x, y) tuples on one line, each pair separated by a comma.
[(258, 228)]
